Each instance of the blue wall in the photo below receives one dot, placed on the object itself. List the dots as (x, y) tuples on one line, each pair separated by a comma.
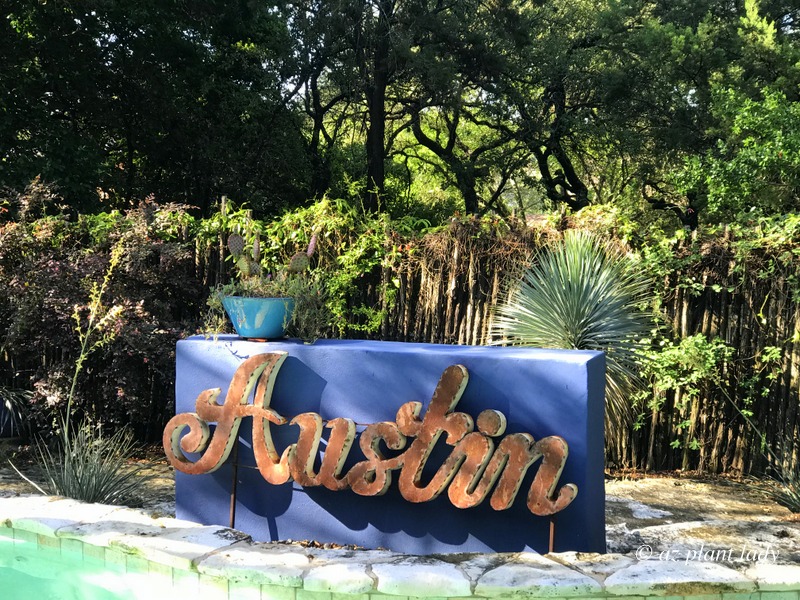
[(541, 392)]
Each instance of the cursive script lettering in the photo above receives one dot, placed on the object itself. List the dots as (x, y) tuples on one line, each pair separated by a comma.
[(476, 466)]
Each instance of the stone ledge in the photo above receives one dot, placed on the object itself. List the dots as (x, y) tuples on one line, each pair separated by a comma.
[(659, 578), (217, 552), (421, 577), (254, 563), (344, 577), (536, 575)]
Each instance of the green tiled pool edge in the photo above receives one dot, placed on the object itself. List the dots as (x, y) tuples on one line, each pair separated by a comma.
[(168, 554)]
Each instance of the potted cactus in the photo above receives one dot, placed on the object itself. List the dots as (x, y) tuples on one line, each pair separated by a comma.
[(261, 305)]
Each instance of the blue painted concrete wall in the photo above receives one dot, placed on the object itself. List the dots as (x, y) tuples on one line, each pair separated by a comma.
[(541, 392)]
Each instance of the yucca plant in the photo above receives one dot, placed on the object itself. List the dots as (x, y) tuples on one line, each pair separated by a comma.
[(787, 490), (88, 465), (581, 294), (13, 405)]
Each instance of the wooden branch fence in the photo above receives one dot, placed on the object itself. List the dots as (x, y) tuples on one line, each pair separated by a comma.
[(444, 290)]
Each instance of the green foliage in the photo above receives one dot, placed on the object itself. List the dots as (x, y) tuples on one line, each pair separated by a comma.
[(786, 490), (252, 281), (416, 107), (351, 248), (416, 188), (688, 365), (92, 466), (582, 294), (49, 262), (756, 165), (13, 410), (113, 103), (336, 294), (311, 318), (729, 258), (609, 221), (232, 219)]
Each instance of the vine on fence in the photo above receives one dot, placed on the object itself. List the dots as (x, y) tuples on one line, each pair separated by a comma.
[(728, 302)]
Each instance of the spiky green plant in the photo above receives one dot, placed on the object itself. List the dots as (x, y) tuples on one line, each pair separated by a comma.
[(581, 294), (13, 405), (787, 489), (88, 465)]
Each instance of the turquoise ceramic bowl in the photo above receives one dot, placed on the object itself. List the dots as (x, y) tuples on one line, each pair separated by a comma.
[(265, 318)]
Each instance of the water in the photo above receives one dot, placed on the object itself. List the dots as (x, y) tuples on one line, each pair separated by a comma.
[(31, 572)]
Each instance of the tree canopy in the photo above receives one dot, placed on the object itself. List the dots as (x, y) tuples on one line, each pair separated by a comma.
[(424, 106)]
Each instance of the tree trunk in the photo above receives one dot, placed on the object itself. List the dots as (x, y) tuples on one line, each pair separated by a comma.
[(376, 104)]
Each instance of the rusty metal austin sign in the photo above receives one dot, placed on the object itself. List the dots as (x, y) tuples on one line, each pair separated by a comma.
[(482, 463)]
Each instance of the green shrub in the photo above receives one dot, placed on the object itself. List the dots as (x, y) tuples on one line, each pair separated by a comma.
[(582, 294), (787, 490), (89, 465), (13, 410)]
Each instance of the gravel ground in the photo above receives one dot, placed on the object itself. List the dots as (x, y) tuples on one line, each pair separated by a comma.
[(699, 518)]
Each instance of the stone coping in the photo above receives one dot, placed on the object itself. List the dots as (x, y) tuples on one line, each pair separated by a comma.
[(221, 552)]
